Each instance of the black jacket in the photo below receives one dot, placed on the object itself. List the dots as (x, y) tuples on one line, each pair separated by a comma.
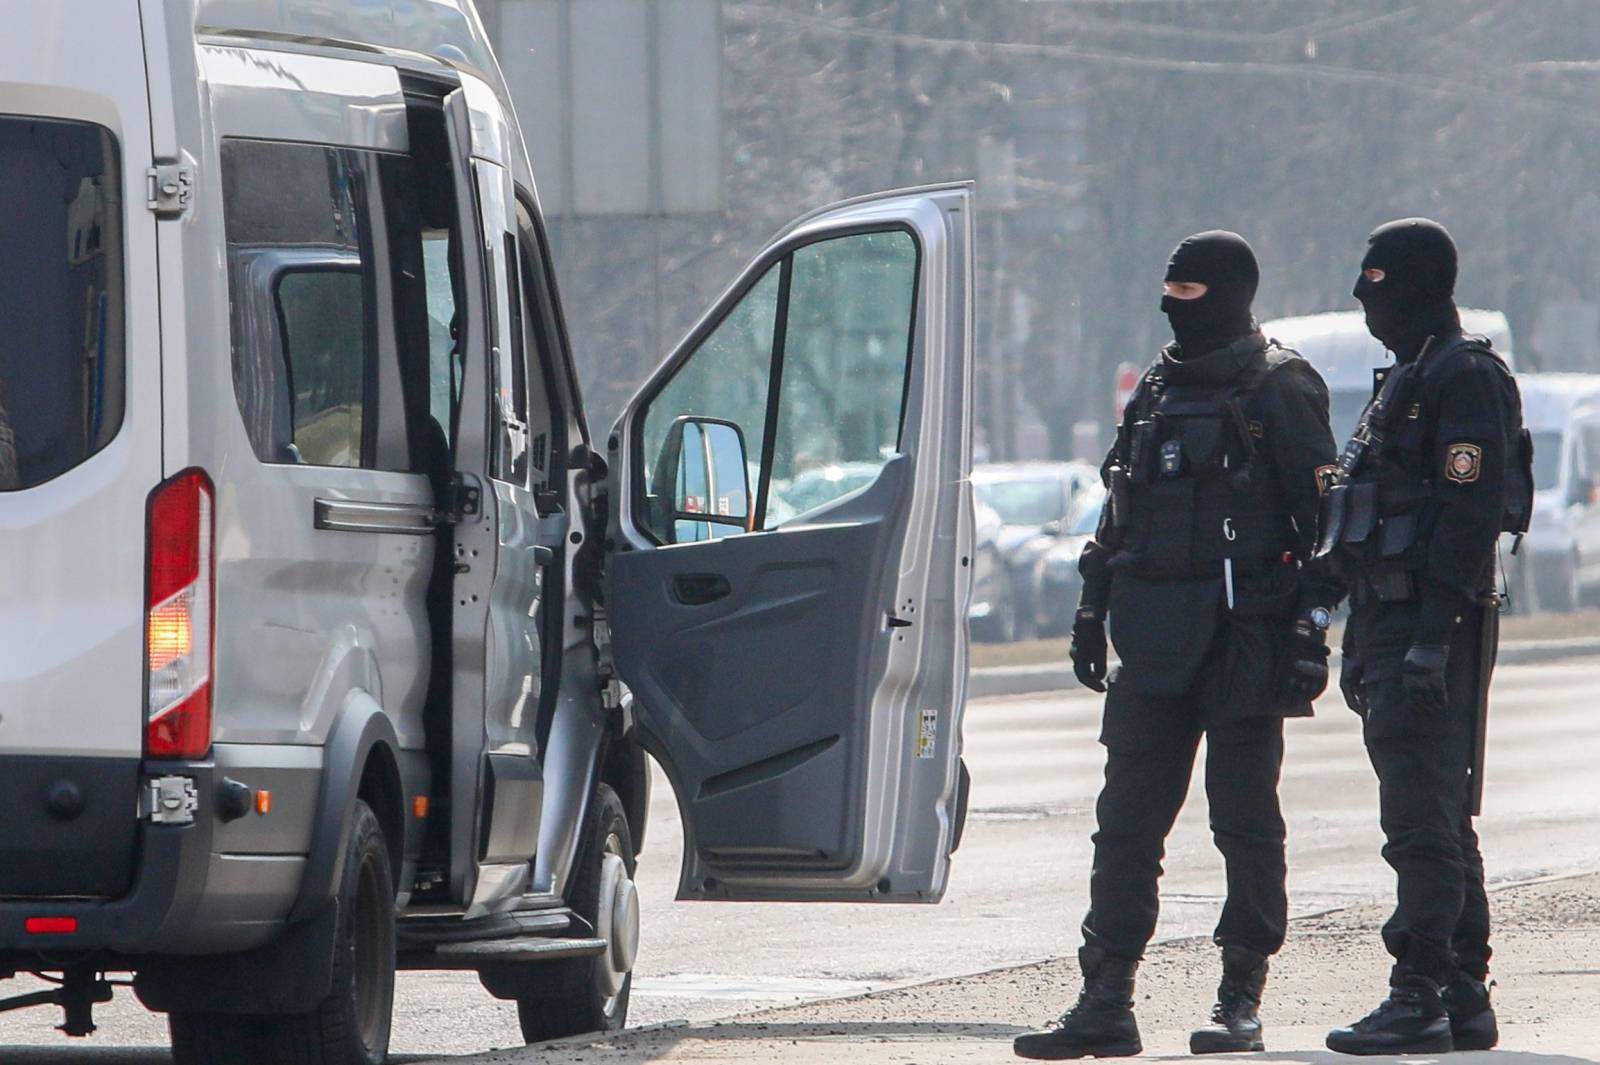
[(1455, 424), (1170, 628)]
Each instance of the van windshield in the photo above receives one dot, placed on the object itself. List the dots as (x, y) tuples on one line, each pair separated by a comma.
[(61, 363)]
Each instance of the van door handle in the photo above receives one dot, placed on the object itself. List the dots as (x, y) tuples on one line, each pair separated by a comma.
[(698, 589), (347, 515)]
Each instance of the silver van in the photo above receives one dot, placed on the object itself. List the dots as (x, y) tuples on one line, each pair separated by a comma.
[(330, 642), (1345, 354), (1558, 564)]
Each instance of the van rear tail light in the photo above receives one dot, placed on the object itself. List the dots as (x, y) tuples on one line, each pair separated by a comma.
[(180, 584)]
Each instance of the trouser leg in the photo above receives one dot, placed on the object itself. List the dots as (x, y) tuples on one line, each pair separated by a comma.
[(1243, 762), (1147, 777), (1422, 792), (1471, 939)]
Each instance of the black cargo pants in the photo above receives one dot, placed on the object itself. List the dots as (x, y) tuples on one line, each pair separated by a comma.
[(1151, 743), (1441, 917)]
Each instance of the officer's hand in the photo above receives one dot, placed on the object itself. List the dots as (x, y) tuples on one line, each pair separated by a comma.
[(1088, 650), (1350, 685), (1422, 677), (1307, 676)]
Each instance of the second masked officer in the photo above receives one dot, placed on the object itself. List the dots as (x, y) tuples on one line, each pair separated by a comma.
[(1199, 564), (1439, 466)]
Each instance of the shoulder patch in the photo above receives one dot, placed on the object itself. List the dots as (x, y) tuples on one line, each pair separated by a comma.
[(1463, 463)]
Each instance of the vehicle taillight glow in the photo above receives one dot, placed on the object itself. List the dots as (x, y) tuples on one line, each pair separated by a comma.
[(50, 926), (180, 579)]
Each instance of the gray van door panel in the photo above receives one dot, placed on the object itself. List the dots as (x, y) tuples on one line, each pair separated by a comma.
[(335, 608), (495, 774), (808, 712)]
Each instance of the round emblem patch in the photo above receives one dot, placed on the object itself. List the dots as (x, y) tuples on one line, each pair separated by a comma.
[(1463, 462)]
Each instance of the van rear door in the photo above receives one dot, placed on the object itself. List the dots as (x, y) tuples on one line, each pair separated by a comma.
[(80, 443)]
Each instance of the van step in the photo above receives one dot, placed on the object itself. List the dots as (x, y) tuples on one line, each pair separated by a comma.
[(478, 953)]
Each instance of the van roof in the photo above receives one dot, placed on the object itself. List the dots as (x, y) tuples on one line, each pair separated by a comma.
[(1338, 345), (448, 30), (1549, 400)]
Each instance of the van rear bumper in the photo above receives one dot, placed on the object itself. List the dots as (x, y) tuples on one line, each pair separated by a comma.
[(168, 882), (211, 886)]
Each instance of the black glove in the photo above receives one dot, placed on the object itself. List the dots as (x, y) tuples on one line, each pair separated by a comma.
[(1422, 677), (1088, 649), (1307, 675), (1350, 685)]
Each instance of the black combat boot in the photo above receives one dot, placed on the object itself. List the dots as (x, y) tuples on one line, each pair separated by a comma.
[(1235, 1019), (1472, 1023), (1100, 1025), (1412, 1020)]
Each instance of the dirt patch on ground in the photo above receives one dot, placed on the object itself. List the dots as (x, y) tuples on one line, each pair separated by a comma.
[(1333, 970)]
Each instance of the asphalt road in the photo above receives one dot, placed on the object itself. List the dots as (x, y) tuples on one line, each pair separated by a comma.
[(1020, 880)]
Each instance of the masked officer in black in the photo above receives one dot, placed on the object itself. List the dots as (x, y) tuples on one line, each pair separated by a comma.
[(1438, 467), (1213, 492)]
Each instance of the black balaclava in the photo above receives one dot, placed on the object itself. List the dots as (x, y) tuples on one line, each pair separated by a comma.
[(1414, 300), (1224, 263)]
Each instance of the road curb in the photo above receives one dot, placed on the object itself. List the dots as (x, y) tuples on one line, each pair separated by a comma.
[(1049, 677)]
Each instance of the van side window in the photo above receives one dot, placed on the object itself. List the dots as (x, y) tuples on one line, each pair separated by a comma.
[(547, 438), (61, 357), (315, 359), (443, 385), (830, 327), (849, 319)]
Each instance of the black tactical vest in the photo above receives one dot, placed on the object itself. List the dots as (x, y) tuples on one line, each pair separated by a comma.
[(1200, 489), (1379, 513)]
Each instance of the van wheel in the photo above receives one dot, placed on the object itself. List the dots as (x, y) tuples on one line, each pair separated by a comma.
[(579, 995), (351, 1025)]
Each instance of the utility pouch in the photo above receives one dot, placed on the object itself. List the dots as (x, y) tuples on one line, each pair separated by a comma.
[(1202, 443), (1117, 500), (1170, 505), (1394, 587), (1142, 451), (1361, 512), (1396, 534), (1518, 511), (1335, 506)]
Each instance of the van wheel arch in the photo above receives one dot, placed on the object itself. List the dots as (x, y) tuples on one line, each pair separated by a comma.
[(381, 789), (360, 728), (626, 768)]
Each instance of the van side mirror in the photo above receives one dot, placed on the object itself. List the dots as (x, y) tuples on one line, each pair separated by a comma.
[(702, 480)]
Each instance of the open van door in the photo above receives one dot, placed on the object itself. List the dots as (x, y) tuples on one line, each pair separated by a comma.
[(496, 784), (791, 530)]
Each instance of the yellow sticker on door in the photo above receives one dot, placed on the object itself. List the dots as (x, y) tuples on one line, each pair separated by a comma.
[(1463, 463), (928, 736)]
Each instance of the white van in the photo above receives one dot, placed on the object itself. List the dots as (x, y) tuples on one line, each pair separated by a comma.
[(1338, 345), (330, 643), (1559, 561)]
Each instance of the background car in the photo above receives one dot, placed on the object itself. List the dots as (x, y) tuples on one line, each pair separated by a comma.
[(992, 616), (1055, 580), (1559, 560), (1033, 501)]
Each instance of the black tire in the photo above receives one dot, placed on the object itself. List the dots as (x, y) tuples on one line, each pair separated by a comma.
[(351, 1025), (566, 997)]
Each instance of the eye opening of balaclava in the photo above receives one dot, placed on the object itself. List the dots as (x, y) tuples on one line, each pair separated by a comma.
[(1226, 265), (1418, 260)]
